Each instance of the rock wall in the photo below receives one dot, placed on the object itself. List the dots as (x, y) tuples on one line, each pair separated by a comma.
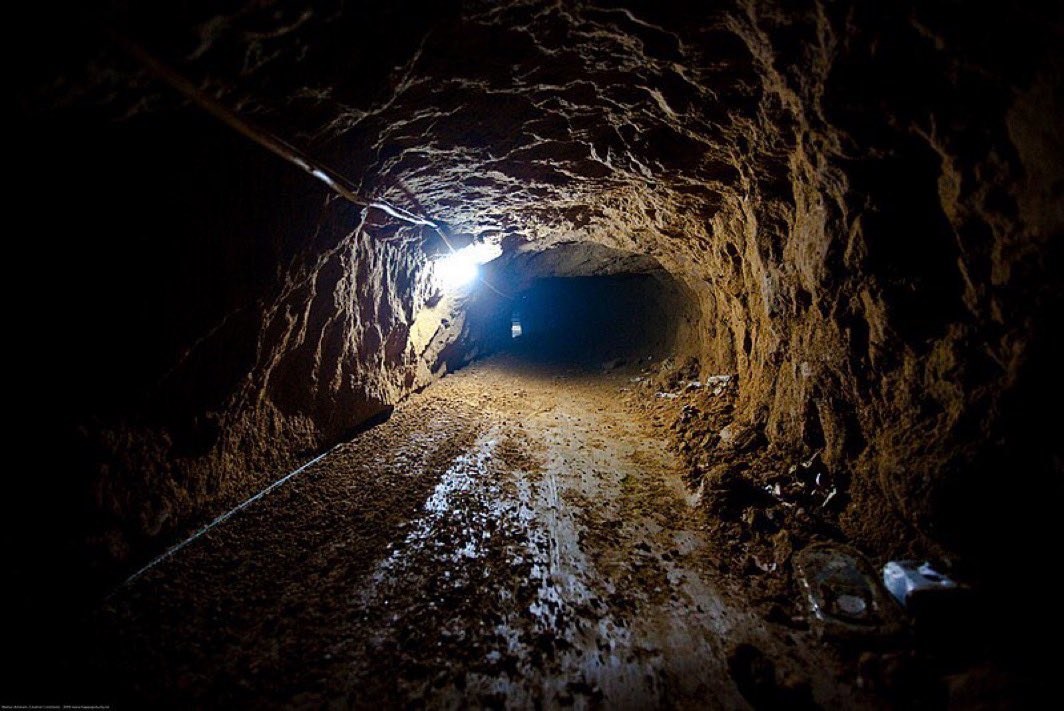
[(864, 200), (221, 321), (325, 349)]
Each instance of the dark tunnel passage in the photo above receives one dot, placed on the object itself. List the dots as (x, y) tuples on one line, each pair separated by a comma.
[(534, 355), (584, 305), (599, 319)]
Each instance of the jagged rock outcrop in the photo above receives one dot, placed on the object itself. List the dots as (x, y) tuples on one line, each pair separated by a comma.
[(865, 203)]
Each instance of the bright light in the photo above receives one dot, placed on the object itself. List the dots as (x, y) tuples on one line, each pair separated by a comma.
[(461, 267), (455, 271)]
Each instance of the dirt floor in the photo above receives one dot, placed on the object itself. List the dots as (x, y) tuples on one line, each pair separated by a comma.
[(520, 534)]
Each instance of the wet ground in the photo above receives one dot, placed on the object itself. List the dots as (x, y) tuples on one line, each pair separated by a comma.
[(516, 535)]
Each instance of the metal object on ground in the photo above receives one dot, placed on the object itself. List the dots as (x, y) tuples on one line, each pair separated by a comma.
[(844, 593), (941, 610), (908, 579)]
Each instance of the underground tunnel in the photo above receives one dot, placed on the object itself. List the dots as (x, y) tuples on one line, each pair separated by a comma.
[(534, 354)]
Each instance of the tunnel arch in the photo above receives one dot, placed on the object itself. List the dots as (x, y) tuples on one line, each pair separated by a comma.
[(588, 300), (851, 216)]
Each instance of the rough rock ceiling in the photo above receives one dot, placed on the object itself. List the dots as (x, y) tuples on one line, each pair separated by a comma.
[(544, 120)]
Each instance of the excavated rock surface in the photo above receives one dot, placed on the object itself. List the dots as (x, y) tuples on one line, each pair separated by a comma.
[(864, 203)]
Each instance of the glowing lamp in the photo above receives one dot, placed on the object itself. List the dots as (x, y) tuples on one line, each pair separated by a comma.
[(459, 268)]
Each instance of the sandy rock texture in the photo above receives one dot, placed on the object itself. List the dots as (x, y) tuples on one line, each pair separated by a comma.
[(863, 201)]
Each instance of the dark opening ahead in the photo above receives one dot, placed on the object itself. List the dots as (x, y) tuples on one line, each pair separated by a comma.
[(598, 318)]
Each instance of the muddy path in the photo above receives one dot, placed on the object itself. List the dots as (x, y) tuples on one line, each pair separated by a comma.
[(516, 535)]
